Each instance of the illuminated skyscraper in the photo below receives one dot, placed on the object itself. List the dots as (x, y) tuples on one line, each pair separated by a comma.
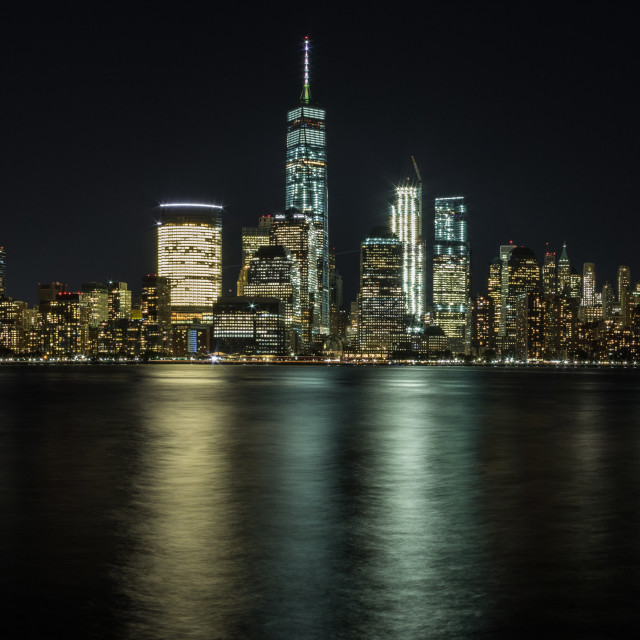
[(607, 301), (589, 284), (624, 294), (190, 256), (549, 274), (451, 273), (119, 301), (494, 290), (564, 271), (306, 180), (296, 232), (154, 301), (96, 297), (66, 330), (590, 305), (505, 251), (381, 309), (3, 270), (13, 329), (255, 237), (482, 322), (523, 284), (274, 273), (249, 325), (406, 224), (252, 239)]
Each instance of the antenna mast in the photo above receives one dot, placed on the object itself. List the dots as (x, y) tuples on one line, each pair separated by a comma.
[(306, 91)]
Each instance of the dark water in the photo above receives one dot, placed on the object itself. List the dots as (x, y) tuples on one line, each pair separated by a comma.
[(281, 502)]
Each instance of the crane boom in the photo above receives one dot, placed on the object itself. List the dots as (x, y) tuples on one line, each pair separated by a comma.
[(415, 166)]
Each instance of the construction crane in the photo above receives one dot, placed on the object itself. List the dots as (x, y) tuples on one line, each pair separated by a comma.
[(415, 166)]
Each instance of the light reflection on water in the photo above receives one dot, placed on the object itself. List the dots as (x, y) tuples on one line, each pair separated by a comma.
[(282, 502)]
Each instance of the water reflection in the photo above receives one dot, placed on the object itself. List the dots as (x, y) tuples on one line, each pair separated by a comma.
[(185, 568), (258, 502)]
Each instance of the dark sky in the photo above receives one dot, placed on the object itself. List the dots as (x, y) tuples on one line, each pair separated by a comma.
[(532, 114)]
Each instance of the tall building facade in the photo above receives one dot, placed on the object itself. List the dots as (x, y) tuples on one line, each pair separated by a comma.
[(119, 301), (252, 239), (156, 314), (297, 232), (523, 286), (589, 284), (564, 271), (66, 330), (3, 270), (381, 302), (451, 271), (274, 273), (339, 314), (624, 294), (549, 274), (154, 301), (494, 291), (306, 181), (249, 325), (406, 224), (505, 252), (190, 257), (96, 297)]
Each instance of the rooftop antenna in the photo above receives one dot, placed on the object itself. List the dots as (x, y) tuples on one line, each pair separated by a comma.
[(306, 91)]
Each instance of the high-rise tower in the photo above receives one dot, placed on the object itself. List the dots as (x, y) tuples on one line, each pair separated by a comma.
[(564, 271), (190, 256), (589, 284), (406, 224), (306, 180), (297, 233), (3, 272), (549, 274), (624, 294), (381, 300), (522, 312), (451, 275), (505, 252)]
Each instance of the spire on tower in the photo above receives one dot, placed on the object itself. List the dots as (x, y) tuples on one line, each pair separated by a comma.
[(305, 97)]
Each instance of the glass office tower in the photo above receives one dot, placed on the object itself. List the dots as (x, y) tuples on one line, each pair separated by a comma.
[(381, 309), (306, 180), (451, 271), (190, 256), (296, 232)]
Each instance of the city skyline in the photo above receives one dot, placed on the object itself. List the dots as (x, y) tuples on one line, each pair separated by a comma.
[(518, 156)]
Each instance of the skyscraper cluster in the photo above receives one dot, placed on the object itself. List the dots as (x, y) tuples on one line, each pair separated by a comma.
[(553, 313), (289, 298)]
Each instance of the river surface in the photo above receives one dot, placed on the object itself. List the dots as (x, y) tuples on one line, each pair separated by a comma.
[(177, 501)]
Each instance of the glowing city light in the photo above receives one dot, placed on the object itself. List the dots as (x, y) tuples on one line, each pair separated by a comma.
[(190, 204)]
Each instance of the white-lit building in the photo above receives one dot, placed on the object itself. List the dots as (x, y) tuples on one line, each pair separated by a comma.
[(406, 224)]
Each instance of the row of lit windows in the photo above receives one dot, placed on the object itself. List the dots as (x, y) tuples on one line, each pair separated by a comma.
[(306, 137), (308, 112)]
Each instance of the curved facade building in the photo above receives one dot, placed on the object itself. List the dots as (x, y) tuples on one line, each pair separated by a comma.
[(190, 257)]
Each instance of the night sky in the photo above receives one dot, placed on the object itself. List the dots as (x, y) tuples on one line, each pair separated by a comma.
[(531, 114)]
